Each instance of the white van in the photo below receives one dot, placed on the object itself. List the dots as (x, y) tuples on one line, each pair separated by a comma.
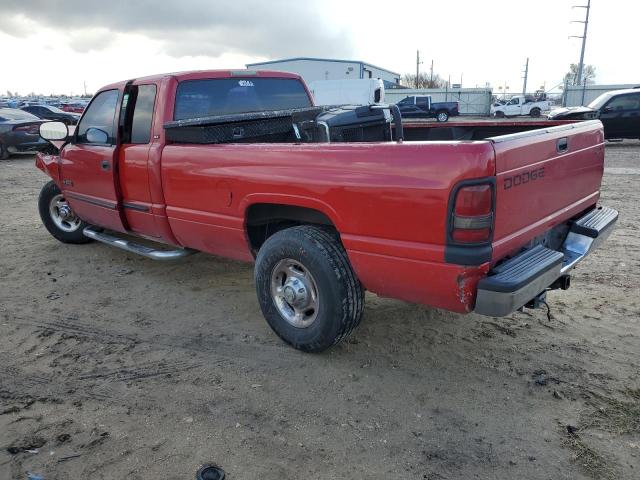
[(347, 92)]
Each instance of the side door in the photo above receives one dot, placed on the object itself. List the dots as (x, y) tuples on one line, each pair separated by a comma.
[(513, 107), (89, 164), (423, 104), (136, 138), (621, 116)]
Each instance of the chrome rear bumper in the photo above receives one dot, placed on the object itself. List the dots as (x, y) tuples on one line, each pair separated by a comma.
[(515, 282)]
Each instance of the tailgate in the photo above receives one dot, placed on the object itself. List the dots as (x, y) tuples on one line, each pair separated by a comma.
[(544, 177)]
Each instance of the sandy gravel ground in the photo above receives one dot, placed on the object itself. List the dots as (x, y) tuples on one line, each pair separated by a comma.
[(116, 367)]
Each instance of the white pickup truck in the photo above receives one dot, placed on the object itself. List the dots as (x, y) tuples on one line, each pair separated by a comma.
[(520, 105)]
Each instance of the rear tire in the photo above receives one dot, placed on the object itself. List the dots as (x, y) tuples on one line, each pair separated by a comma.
[(307, 290), (4, 152), (58, 218), (442, 116), (500, 114), (535, 112)]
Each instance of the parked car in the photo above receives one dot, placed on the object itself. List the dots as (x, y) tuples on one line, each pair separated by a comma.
[(347, 92), (72, 107), (48, 112), (421, 106), (520, 105), (618, 110), (328, 202), (19, 133)]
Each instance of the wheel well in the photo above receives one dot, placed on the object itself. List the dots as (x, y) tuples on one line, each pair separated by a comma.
[(265, 219)]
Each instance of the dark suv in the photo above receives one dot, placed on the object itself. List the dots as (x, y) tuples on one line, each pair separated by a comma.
[(618, 110)]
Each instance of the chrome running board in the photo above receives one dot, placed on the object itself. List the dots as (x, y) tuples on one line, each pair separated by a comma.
[(129, 246)]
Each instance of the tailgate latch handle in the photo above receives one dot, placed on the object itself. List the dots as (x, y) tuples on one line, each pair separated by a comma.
[(562, 145)]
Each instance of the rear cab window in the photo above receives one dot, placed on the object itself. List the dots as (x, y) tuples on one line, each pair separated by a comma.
[(136, 114), (226, 96)]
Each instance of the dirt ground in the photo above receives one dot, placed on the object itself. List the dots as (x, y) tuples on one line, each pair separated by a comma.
[(116, 367)]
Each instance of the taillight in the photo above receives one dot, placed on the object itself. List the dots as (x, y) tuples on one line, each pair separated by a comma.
[(34, 128), (472, 214)]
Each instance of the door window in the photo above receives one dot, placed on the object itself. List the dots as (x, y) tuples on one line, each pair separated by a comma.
[(421, 101), (625, 102), (143, 114), (97, 125)]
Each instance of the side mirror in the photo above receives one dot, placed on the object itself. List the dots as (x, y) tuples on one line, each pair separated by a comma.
[(53, 131), (606, 110), (95, 135)]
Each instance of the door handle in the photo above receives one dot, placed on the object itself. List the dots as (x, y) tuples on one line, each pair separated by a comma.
[(105, 165), (562, 145)]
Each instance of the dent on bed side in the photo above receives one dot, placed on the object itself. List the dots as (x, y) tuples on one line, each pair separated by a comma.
[(467, 284)]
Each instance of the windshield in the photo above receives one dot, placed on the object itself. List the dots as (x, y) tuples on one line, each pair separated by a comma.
[(202, 98), (600, 101), (14, 114)]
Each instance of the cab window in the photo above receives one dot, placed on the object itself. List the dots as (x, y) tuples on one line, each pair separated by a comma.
[(143, 114), (97, 125), (625, 102)]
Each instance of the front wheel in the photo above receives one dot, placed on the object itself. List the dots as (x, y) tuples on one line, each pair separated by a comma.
[(307, 290), (442, 116), (58, 217)]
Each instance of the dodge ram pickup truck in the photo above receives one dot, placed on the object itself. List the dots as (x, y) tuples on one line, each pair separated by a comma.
[(328, 201)]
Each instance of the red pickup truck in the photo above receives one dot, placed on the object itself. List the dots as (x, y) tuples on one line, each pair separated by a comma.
[(328, 201)]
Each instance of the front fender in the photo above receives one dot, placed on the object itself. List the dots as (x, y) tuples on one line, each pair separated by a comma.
[(49, 164)]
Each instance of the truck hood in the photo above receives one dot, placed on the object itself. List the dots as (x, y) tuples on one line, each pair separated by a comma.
[(573, 112)]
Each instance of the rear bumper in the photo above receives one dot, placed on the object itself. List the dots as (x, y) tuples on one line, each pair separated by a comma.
[(521, 278)]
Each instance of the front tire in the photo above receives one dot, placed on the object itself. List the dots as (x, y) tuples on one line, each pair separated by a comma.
[(58, 217), (307, 290)]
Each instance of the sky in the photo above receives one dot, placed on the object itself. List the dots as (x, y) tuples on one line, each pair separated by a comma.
[(61, 46)]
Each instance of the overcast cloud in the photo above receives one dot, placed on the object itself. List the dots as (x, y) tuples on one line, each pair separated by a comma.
[(274, 28), (67, 46)]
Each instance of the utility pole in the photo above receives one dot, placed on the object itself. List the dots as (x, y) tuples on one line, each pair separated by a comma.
[(526, 74), (431, 74), (587, 7), (85, 88), (418, 62)]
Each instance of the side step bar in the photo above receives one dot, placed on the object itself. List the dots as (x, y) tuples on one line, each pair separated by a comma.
[(129, 246)]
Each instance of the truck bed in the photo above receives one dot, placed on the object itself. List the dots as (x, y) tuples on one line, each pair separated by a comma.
[(389, 200)]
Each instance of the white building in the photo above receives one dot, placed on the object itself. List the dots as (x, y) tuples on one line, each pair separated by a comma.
[(311, 69)]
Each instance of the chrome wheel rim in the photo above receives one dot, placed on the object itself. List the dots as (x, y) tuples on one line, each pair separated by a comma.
[(62, 215), (294, 293), (442, 117)]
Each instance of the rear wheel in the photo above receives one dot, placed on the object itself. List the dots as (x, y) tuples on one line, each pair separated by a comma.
[(500, 114), (535, 112), (442, 116), (4, 152), (307, 290), (58, 217)]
